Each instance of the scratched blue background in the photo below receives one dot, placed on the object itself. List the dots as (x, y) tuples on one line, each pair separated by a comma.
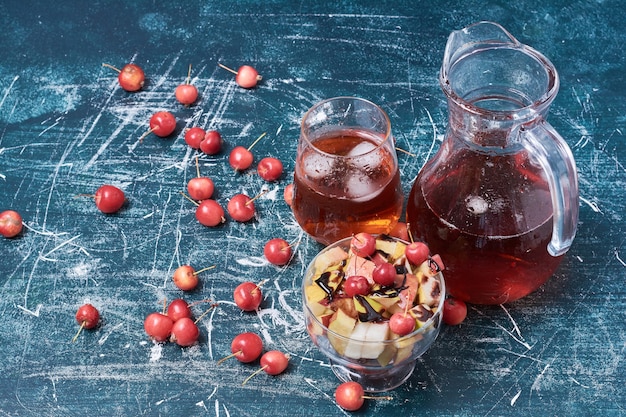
[(66, 128)]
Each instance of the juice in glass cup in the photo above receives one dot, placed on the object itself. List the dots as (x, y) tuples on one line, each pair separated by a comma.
[(346, 176)]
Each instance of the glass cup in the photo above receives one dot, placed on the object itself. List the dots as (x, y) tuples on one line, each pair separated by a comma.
[(355, 333), (346, 176)]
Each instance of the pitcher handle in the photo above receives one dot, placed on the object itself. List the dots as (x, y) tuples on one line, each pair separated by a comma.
[(557, 160)]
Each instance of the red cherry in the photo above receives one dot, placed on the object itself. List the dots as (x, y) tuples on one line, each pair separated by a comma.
[(240, 158), (277, 251), (356, 285), (158, 326), (401, 323), (400, 231), (131, 77), (417, 252), (212, 143), (270, 169), (273, 362), (194, 136), (10, 223), (185, 278), (162, 123), (454, 311), (87, 316), (186, 94), (248, 296), (288, 194), (246, 76), (178, 309), (350, 396), (185, 332), (245, 347), (209, 213), (384, 274), (200, 188), (241, 208), (109, 199), (363, 244)]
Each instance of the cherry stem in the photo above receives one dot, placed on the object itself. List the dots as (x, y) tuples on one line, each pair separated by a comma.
[(387, 397), (80, 329), (189, 198), (257, 139), (85, 195), (197, 167), (255, 197), (188, 79), (164, 305), (227, 69), (232, 355), (204, 269), (404, 151), (141, 138), (258, 371), (112, 67), (205, 313), (408, 232), (259, 285)]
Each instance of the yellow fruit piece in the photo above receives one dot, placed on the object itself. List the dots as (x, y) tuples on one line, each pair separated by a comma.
[(331, 257), (394, 248), (341, 325)]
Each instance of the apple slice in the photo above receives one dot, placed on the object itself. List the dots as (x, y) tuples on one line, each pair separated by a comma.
[(429, 291), (341, 325), (331, 257)]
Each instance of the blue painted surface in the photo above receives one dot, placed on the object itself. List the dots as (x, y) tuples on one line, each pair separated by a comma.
[(66, 128)]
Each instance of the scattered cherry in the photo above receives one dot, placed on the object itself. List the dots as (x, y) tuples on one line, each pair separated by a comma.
[(246, 76), (241, 158), (158, 326), (178, 309), (209, 213), (186, 93), (270, 169), (241, 208), (186, 277), (131, 77), (10, 223), (185, 332), (212, 142), (454, 311), (109, 199), (288, 194), (194, 137), (350, 396), (356, 285), (248, 296), (417, 252), (277, 251), (273, 362), (162, 124), (200, 188), (363, 244), (87, 316), (384, 274), (245, 347)]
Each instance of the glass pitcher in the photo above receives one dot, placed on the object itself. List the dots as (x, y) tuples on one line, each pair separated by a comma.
[(499, 200)]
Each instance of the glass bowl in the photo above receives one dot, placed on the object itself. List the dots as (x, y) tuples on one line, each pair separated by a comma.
[(354, 332)]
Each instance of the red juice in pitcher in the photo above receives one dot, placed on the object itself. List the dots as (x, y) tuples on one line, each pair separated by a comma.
[(493, 245)]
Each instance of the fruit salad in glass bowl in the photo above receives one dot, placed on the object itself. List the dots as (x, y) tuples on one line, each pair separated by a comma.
[(373, 305)]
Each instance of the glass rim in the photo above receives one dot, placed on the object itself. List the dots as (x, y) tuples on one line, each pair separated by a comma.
[(385, 139), (438, 315)]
